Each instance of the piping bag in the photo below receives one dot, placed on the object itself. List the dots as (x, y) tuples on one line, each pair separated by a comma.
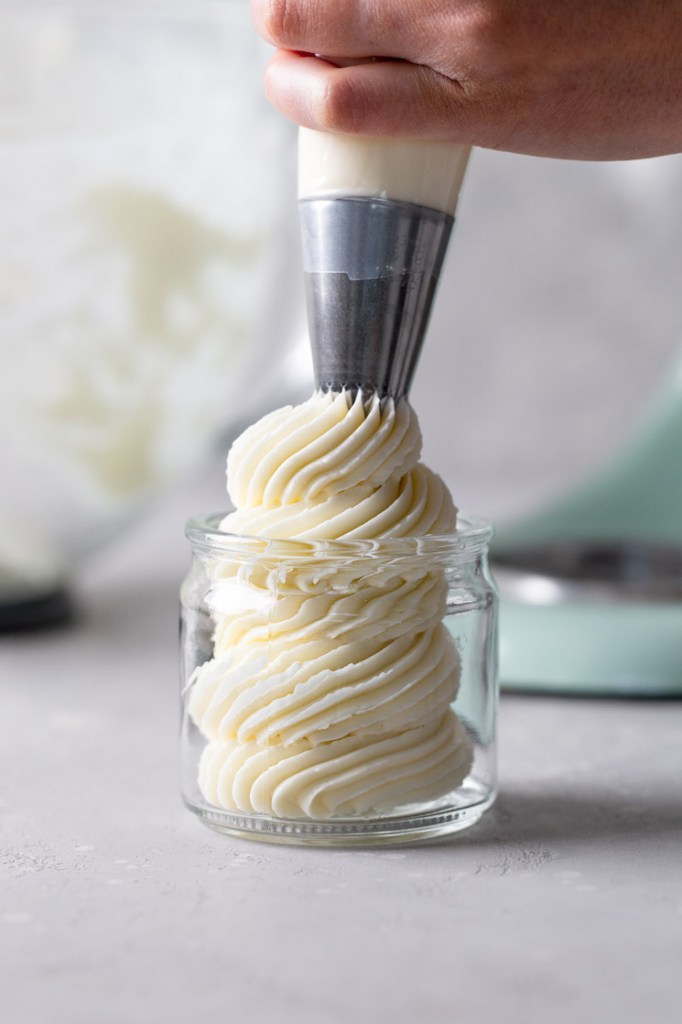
[(376, 216)]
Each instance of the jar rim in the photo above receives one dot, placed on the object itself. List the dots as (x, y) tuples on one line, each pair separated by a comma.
[(471, 539)]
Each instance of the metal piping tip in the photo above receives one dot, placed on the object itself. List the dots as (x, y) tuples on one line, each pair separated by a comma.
[(371, 267)]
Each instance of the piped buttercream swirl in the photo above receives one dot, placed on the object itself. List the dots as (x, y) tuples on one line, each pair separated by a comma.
[(331, 700)]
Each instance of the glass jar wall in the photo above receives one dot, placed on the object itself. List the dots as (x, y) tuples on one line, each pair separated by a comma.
[(337, 692)]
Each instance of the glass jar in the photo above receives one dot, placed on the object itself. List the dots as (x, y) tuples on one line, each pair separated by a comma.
[(339, 692)]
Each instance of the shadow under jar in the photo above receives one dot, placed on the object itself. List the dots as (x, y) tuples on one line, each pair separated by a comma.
[(339, 692)]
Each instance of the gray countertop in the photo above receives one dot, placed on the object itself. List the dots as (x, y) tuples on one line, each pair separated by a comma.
[(564, 904)]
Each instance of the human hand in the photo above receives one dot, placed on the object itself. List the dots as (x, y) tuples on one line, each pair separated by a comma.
[(589, 79)]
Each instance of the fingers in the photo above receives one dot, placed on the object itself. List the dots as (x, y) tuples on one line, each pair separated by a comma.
[(380, 98), (347, 28), (594, 79)]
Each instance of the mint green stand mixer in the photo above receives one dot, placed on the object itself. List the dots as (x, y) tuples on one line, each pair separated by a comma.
[(591, 586)]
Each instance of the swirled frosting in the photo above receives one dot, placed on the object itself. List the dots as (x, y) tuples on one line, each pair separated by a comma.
[(330, 687)]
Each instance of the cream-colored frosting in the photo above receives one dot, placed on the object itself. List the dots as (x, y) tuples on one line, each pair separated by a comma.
[(426, 172), (345, 777), (333, 468), (330, 687), (320, 448)]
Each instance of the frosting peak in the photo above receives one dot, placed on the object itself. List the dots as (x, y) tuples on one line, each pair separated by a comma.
[(325, 446)]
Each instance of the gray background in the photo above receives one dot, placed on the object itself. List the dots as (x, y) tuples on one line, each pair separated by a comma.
[(559, 314)]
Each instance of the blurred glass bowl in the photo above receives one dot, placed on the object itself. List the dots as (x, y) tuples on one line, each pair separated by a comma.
[(145, 234)]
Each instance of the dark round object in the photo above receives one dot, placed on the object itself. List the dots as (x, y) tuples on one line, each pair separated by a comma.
[(40, 611)]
